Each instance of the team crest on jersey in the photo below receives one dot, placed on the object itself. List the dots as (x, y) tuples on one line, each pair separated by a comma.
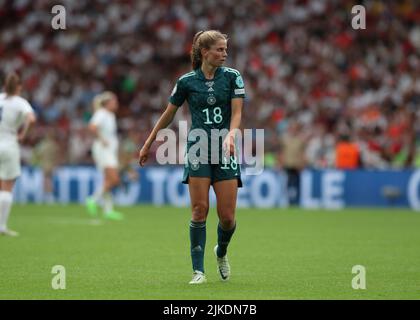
[(195, 165), (211, 100), (239, 82)]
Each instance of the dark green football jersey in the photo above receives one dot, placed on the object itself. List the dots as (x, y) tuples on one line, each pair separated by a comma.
[(209, 100)]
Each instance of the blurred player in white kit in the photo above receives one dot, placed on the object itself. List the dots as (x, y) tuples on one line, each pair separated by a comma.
[(16, 117), (103, 126)]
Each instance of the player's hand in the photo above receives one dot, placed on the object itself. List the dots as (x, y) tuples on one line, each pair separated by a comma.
[(21, 137), (104, 143), (143, 155), (229, 144)]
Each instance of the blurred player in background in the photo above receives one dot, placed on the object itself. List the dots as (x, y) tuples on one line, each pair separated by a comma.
[(103, 126), (215, 96), (15, 113)]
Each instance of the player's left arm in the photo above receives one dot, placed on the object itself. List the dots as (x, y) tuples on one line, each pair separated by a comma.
[(235, 123), (30, 119), (237, 95)]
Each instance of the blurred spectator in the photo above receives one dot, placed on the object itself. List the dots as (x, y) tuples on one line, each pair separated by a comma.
[(347, 153), (47, 155), (293, 159), (80, 143), (297, 65), (320, 150)]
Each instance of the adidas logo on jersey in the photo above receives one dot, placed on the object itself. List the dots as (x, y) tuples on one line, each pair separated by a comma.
[(210, 85)]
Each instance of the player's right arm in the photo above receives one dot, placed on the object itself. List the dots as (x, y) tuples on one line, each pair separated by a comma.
[(94, 125), (164, 121), (177, 98), (93, 129)]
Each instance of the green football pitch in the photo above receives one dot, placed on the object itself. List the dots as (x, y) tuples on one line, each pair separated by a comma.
[(274, 254)]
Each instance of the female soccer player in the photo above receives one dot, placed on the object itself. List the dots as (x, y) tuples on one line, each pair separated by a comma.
[(15, 113), (103, 126), (215, 97)]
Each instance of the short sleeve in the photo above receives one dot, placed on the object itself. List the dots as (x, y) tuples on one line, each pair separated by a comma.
[(25, 107), (179, 94), (238, 86), (97, 118)]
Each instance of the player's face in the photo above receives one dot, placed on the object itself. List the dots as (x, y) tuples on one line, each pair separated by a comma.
[(112, 104), (217, 53)]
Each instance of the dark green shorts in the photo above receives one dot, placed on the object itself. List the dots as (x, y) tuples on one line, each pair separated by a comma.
[(216, 172)]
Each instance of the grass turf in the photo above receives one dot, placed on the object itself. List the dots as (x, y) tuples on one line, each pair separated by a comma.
[(275, 254)]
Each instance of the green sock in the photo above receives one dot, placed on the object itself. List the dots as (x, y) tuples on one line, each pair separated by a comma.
[(223, 239), (198, 243)]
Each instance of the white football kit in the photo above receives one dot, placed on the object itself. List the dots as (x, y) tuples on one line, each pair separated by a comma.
[(105, 156), (13, 111)]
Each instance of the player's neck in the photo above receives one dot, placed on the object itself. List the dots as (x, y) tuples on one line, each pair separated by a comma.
[(208, 71)]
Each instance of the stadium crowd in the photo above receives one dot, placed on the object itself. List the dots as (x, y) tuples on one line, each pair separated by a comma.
[(312, 81)]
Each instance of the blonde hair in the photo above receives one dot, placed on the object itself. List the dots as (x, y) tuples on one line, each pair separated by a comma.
[(101, 99), (12, 83), (204, 39)]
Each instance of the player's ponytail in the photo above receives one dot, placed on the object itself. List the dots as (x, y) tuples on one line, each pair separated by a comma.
[(97, 102), (12, 84), (196, 51), (203, 39)]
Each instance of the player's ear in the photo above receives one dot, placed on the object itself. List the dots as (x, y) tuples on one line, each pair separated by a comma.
[(204, 52)]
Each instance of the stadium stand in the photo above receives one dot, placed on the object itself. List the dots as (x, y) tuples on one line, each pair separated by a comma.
[(301, 61)]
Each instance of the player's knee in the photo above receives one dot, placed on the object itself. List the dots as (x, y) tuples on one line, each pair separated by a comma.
[(227, 221), (113, 178), (200, 210), (116, 180)]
